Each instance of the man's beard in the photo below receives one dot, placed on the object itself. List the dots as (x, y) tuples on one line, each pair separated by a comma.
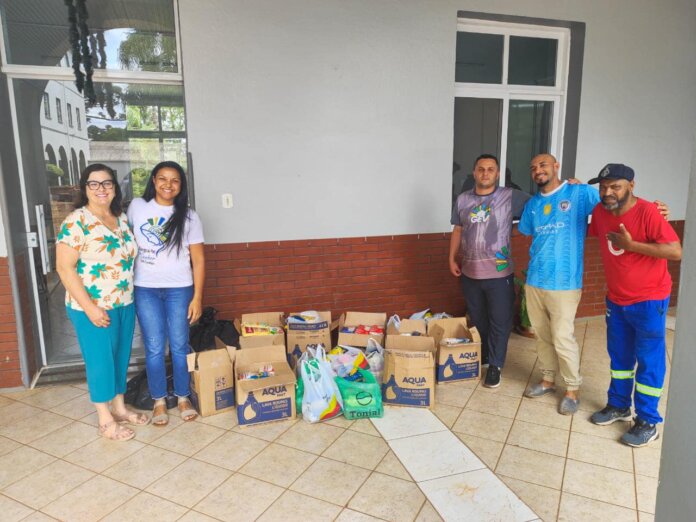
[(542, 183), (616, 202)]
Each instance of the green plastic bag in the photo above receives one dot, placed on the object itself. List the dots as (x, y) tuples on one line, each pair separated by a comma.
[(361, 398)]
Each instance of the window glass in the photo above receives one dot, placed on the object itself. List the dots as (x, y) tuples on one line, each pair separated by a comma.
[(37, 33), (477, 130), (532, 61), (479, 58), (529, 134)]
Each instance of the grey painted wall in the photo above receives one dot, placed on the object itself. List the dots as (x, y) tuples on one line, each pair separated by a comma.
[(327, 118), (676, 501)]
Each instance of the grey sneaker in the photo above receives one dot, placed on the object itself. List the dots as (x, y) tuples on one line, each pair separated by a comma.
[(641, 434), (568, 406), (610, 414), (538, 390)]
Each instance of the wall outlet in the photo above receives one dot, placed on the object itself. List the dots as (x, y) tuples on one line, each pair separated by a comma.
[(227, 201)]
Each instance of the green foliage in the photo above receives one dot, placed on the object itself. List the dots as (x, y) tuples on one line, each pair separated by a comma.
[(148, 52), (108, 134), (54, 170), (139, 178)]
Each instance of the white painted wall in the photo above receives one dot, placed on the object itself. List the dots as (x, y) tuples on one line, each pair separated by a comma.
[(329, 118)]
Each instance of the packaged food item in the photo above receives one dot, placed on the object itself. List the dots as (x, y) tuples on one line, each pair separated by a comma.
[(345, 360), (451, 341), (253, 329), (309, 316), (265, 370), (348, 329)]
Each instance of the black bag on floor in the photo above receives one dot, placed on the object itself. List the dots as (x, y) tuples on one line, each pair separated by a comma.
[(202, 334), (138, 394)]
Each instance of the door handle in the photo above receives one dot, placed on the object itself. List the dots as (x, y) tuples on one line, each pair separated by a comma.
[(43, 240)]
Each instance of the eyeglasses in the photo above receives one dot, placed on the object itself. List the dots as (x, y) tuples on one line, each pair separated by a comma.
[(106, 184)]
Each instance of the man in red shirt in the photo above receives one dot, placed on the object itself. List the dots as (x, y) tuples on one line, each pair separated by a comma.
[(635, 243)]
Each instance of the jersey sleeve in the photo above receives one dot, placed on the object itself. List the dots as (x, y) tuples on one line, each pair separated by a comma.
[(73, 230), (194, 232), (591, 199), (455, 220), (525, 226), (519, 200)]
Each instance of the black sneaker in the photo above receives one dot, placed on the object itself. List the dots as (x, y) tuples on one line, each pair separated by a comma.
[(641, 434), (492, 377), (610, 414)]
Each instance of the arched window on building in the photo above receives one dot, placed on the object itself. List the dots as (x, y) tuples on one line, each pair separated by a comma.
[(63, 163), (74, 165), (83, 163), (50, 155)]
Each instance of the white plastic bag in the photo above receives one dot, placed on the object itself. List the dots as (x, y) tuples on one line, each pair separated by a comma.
[(322, 399), (394, 321), (375, 358)]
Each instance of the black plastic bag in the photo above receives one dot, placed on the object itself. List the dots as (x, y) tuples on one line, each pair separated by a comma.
[(138, 394), (202, 334)]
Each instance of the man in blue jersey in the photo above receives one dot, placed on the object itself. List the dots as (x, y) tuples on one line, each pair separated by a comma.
[(556, 218), (482, 219)]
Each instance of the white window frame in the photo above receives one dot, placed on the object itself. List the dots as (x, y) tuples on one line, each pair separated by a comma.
[(70, 118), (558, 94)]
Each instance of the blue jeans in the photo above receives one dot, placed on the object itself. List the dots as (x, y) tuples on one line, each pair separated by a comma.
[(636, 335), (490, 304), (162, 315)]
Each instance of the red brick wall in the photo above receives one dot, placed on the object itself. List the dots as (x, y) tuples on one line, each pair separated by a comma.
[(393, 274), (10, 375)]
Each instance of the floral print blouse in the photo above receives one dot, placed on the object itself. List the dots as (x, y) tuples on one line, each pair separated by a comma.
[(105, 261)]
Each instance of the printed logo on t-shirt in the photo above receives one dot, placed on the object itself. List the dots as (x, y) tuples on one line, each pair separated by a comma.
[(614, 251), (564, 205), (547, 209), (153, 230), (480, 213)]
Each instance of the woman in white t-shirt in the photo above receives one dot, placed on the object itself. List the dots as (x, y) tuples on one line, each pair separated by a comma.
[(169, 276)]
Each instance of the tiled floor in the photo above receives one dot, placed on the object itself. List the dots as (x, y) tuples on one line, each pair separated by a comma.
[(407, 466)]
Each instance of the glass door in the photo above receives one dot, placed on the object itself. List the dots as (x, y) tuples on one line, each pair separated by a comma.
[(59, 134)]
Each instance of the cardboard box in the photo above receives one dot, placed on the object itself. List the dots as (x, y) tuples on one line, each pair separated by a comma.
[(409, 371), (269, 318), (302, 335), (212, 379), (357, 319), (268, 399), (408, 326), (456, 362)]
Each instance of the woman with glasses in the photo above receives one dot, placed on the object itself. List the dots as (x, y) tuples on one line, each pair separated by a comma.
[(95, 251), (169, 276)]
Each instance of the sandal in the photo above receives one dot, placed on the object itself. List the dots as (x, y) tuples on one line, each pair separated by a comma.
[(132, 417), (119, 433), (186, 410), (160, 417)]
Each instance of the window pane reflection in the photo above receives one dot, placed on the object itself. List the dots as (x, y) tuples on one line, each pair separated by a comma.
[(529, 134), (37, 33), (479, 58), (532, 61)]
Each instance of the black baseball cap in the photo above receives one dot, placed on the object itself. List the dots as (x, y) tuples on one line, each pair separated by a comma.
[(614, 171)]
